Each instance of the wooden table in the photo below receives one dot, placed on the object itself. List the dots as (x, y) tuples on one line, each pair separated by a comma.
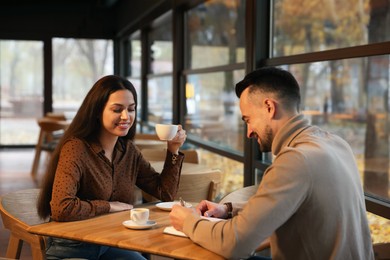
[(108, 230)]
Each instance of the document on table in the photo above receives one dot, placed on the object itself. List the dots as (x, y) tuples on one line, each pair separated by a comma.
[(172, 231)]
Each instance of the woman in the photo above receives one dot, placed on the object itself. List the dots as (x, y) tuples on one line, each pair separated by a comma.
[(96, 165)]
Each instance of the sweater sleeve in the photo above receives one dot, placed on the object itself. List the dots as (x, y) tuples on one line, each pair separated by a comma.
[(278, 197), (163, 186)]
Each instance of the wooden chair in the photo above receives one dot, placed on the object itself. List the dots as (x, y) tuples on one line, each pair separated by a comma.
[(56, 116), (146, 136), (240, 195), (18, 212), (199, 186), (191, 156), (195, 187), (152, 154), (50, 132)]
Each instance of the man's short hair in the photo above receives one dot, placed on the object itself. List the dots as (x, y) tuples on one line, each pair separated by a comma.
[(272, 80)]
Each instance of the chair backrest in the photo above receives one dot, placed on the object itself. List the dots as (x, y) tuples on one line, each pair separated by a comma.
[(18, 212), (191, 156), (56, 116), (199, 186), (50, 132), (146, 136), (154, 154), (195, 187), (240, 195), (158, 154)]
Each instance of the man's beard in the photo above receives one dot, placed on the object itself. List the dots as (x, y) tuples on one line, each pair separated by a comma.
[(266, 142)]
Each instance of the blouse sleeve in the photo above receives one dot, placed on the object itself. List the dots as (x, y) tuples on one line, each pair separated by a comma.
[(163, 186), (65, 204)]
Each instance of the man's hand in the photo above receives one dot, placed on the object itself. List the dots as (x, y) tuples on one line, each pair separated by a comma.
[(178, 215), (119, 206), (210, 209)]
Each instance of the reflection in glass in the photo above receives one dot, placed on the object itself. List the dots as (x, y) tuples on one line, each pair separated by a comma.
[(212, 41), (161, 46), (21, 91), (137, 84), (323, 25), (77, 65), (351, 98), (212, 108), (160, 100), (135, 57)]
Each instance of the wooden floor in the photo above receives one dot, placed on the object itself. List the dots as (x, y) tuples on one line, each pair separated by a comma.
[(15, 166)]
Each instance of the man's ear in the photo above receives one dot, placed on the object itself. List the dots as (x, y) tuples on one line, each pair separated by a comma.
[(270, 106)]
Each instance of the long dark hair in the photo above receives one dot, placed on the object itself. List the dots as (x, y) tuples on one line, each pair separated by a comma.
[(85, 125)]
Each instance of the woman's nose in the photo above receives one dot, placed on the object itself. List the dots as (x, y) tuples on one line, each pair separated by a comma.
[(124, 114)]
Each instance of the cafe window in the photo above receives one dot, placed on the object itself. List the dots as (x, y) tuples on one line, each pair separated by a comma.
[(21, 91), (134, 66), (217, 46), (212, 108), (347, 96), (213, 40), (214, 62), (323, 25), (343, 68), (159, 84), (77, 65)]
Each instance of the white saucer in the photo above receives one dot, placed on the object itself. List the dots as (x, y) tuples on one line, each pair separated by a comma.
[(131, 224), (167, 206)]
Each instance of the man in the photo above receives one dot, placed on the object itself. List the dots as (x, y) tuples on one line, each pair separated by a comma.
[(310, 201)]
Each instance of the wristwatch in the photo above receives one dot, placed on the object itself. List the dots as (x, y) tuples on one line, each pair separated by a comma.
[(229, 207)]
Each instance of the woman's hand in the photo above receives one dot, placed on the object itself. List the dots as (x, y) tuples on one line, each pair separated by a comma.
[(179, 139), (116, 206)]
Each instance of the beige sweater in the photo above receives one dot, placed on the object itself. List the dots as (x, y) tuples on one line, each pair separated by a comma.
[(310, 202)]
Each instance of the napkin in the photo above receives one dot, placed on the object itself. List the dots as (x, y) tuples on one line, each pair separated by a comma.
[(173, 231)]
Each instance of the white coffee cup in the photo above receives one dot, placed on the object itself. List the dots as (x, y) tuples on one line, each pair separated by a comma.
[(166, 132), (139, 215)]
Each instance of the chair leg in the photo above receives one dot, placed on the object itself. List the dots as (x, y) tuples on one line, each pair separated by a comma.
[(37, 157), (38, 248), (38, 254), (14, 247)]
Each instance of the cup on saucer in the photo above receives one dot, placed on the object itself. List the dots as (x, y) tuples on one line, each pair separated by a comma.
[(140, 216)]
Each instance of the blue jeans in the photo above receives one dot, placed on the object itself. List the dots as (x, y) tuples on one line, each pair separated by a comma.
[(58, 248)]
